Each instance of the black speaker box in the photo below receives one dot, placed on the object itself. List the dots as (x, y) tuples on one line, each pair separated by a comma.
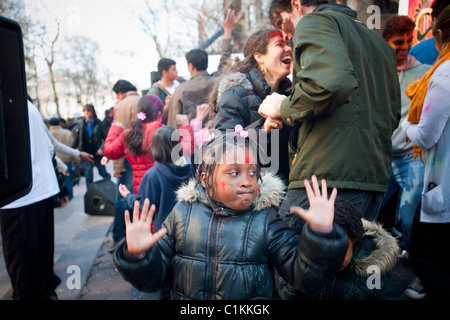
[(15, 154), (100, 197)]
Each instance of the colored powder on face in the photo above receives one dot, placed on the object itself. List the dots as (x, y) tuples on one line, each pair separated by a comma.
[(276, 33), (223, 188), (288, 26)]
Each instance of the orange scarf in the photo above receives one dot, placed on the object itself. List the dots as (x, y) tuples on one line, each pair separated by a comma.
[(417, 91)]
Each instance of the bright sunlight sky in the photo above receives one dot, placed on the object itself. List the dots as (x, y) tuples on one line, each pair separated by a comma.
[(114, 26)]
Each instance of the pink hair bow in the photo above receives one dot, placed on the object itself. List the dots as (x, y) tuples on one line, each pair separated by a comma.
[(141, 116), (240, 130)]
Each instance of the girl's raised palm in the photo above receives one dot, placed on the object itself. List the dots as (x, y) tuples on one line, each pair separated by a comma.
[(139, 235), (320, 214)]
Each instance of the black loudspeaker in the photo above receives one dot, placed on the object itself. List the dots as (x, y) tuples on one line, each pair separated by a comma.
[(100, 197), (15, 154)]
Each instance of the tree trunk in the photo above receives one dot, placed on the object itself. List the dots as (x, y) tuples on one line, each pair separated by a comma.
[(53, 82)]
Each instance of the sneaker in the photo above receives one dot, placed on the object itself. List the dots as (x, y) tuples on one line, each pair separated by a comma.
[(113, 247), (415, 290)]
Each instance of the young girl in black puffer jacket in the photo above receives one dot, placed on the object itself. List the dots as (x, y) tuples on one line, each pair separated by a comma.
[(223, 237)]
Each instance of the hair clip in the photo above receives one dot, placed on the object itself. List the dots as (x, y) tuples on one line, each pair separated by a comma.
[(141, 116), (240, 130)]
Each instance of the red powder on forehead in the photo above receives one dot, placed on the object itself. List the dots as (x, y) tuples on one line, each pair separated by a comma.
[(275, 33)]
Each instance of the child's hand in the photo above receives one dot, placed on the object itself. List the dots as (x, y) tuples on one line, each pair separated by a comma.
[(104, 161), (202, 111), (270, 124), (320, 214), (139, 235), (123, 190), (270, 107), (182, 120)]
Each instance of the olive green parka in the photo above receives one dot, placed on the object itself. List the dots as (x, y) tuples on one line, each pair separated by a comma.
[(345, 102)]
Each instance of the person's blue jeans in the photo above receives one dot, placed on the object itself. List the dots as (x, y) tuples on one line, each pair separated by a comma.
[(119, 230), (68, 179), (89, 170), (407, 179), (367, 202)]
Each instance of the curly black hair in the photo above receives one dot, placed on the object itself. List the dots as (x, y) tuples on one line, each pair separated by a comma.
[(349, 218)]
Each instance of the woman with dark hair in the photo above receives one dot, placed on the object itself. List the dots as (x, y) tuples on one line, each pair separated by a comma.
[(90, 135), (239, 92), (135, 142)]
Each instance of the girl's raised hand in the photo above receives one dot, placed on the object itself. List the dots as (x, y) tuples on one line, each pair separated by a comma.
[(320, 214), (139, 235)]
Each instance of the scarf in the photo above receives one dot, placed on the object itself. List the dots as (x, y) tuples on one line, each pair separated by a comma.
[(417, 91)]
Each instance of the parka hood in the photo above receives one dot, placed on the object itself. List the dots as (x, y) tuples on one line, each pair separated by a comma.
[(252, 81), (271, 192), (175, 173), (342, 8), (232, 80), (383, 256)]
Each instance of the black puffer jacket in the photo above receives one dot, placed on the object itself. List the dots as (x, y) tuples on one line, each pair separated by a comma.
[(230, 255), (238, 99)]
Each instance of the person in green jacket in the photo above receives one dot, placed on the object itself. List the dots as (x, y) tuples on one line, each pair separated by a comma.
[(344, 105)]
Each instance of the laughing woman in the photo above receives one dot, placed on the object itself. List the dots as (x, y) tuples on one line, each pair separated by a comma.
[(239, 92)]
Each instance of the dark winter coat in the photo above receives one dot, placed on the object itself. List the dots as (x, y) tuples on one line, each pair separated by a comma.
[(238, 99), (81, 137), (230, 255), (359, 280), (370, 275)]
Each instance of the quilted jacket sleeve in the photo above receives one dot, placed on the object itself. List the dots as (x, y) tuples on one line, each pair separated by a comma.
[(148, 273), (114, 147), (310, 262)]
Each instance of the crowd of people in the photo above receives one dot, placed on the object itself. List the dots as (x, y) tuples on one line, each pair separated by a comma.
[(360, 125)]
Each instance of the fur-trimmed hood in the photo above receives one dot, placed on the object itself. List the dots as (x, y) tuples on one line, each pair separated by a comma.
[(254, 82), (383, 256), (232, 80), (271, 192)]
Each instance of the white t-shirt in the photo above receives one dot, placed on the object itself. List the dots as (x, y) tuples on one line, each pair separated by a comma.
[(172, 88), (44, 179)]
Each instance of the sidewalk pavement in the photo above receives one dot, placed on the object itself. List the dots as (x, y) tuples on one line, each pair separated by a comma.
[(81, 243), (104, 281)]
